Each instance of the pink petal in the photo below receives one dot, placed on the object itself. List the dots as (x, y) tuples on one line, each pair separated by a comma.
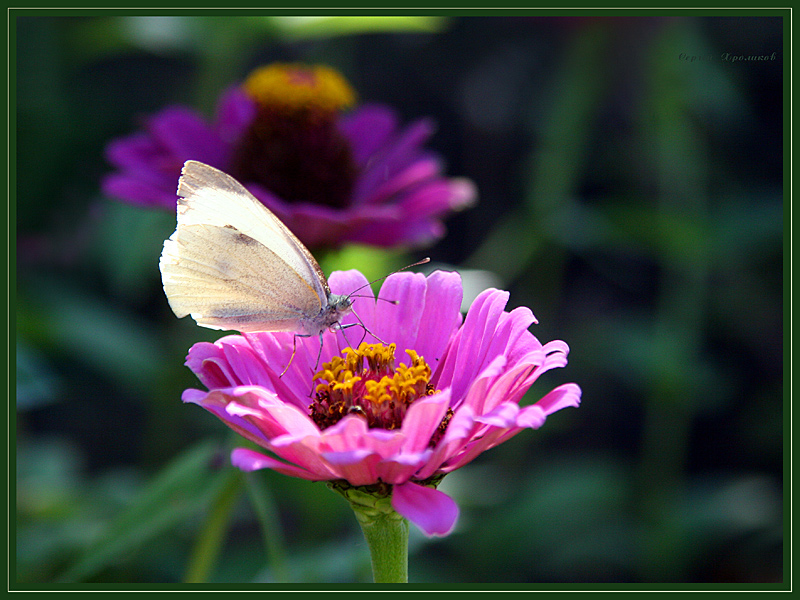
[(440, 316), (274, 350), (459, 431), (478, 396), (422, 419), (483, 439), (250, 460), (507, 385), (358, 467), (347, 434), (347, 282), (507, 421), (304, 452), (434, 512), (400, 321), (225, 363), (563, 396), (467, 354), (531, 417), (504, 415), (216, 402), (512, 337), (557, 352), (270, 414), (402, 466)]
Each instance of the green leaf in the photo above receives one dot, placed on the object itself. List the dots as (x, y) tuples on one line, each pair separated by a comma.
[(269, 519), (212, 537), (180, 492)]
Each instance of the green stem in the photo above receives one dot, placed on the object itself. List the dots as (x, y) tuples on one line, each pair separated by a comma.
[(387, 538), (384, 529)]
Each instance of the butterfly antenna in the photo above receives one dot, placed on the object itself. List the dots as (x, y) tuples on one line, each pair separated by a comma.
[(427, 259), (378, 298)]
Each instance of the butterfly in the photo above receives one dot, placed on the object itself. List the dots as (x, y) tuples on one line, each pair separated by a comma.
[(232, 264)]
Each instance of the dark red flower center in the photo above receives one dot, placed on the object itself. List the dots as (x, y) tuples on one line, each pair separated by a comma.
[(293, 147)]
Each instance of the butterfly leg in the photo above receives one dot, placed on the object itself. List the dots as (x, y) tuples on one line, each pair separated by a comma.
[(291, 358), (366, 329), (319, 354), (294, 349), (319, 357)]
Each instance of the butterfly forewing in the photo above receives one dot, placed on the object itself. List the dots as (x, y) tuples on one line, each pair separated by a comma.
[(209, 196), (232, 264)]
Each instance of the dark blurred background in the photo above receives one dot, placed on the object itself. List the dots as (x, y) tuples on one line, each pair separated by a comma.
[(631, 196)]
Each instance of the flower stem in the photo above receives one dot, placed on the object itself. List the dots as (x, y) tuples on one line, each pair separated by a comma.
[(384, 529), (387, 539)]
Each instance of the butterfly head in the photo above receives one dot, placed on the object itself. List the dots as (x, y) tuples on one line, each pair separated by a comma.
[(330, 315)]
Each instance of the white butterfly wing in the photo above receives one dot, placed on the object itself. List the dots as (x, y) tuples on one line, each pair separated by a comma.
[(210, 197), (232, 264)]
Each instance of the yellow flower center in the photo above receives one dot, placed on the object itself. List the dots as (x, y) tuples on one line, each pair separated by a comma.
[(366, 382), (297, 86)]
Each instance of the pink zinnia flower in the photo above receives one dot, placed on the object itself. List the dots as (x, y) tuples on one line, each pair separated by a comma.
[(332, 173), (389, 419)]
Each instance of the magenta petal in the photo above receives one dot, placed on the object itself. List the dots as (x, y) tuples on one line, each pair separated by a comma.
[(368, 129), (463, 193), (419, 177), (392, 231), (185, 135), (235, 113), (137, 191), (429, 199), (434, 512), (405, 147)]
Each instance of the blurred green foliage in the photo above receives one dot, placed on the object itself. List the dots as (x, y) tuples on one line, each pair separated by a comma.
[(630, 196)]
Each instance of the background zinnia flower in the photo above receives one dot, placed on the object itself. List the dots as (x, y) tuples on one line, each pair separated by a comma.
[(402, 415), (330, 176)]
